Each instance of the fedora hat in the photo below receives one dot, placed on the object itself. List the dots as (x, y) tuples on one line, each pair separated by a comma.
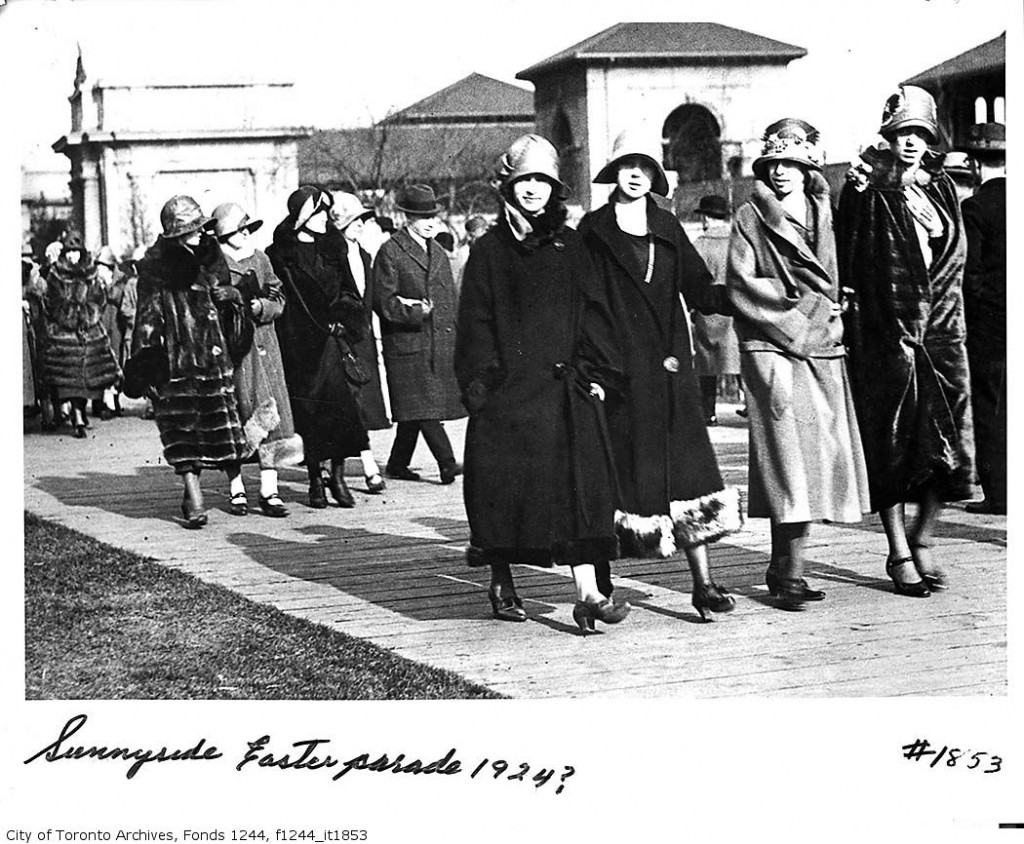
[(181, 215), (635, 143), (713, 206), (910, 107), (229, 218), (789, 139), (987, 137), (418, 201), (347, 209)]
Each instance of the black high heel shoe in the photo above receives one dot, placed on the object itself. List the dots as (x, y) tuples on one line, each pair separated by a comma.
[(935, 579), (585, 613), (506, 607), (710, 598), (773, 580), (909, 590), (335, 482), (790, 593), (317, 499)]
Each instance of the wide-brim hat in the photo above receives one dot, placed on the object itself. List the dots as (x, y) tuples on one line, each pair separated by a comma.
[(789, 139), (419, 201), (347, 209), (229, 218), (634, 143), (181, 215), (529, 155), (713, 205), (987, 137), (910, 107)]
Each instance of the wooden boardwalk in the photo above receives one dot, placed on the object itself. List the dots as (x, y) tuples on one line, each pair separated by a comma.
[(391, 571)]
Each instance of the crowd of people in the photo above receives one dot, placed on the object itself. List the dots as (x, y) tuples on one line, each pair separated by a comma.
[(869, 334)]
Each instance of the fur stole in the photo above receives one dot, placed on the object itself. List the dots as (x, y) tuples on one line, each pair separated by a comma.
[(168, 264), (686, 525)]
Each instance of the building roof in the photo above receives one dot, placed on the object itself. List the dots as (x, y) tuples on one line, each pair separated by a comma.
[(389, 154), (646, 42), (474, 99), (986, 58)]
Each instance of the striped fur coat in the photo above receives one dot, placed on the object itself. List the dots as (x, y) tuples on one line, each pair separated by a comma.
[(196, 408)]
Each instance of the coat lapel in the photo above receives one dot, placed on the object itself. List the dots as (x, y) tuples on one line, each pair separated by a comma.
[(412, 248)]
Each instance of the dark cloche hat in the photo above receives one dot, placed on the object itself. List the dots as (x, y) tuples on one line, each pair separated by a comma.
[(713, 206)]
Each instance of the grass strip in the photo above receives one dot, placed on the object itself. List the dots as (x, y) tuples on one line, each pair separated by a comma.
[(102, 623)]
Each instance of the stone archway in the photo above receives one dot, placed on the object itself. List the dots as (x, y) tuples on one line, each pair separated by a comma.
[(692, 144)]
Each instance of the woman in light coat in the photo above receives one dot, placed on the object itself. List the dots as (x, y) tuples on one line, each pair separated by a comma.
[(806, 461), (263, 405)]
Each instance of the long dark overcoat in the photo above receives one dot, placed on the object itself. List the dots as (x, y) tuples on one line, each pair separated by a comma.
[(77, 361), (263, 403), (533, 333), (672, 493), (321, 310), (371, 395), (176, 317), (418, 349), (905, 336)]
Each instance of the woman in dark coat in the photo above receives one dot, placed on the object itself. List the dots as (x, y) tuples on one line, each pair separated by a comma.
[(113, 323), (323, 320), (341, 246), (78, 363), (414, 293), (533, 355), (263, 404), (806, 461), (672, 493), (182, 351), (902, 249)]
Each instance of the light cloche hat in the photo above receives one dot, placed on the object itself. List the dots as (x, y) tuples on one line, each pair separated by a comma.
[(910, 106), (635, 143), (789, 139)]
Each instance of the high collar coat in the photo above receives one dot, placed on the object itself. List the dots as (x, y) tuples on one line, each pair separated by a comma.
[(905, 335), (672, 492), (419, 348)]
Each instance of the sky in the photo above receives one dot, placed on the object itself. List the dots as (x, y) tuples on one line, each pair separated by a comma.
[(353, 62)]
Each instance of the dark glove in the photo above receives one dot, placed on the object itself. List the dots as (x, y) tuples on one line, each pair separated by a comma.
[(226, 293)]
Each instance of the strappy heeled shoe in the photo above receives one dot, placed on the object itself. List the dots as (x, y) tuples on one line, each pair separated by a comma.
[(272, 505), (772, 579), (239, 505), (710, 598), (506, 607), (375, 484), (909, 590), (584, 613), (934, 578)]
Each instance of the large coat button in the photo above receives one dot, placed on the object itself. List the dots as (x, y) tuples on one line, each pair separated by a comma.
[(559, 245), (671, 363)]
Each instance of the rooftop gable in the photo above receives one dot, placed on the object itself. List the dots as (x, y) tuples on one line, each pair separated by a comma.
[(989, 57), (476, 98), (701, 41)]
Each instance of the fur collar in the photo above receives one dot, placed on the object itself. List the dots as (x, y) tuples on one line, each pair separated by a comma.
[(883, 173), (171, 265)]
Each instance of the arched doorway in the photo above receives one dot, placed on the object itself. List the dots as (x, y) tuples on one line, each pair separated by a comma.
[(568, 151), (691, 141)]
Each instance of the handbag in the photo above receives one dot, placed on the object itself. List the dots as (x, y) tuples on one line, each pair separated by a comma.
[(238, 327), (357, 373)]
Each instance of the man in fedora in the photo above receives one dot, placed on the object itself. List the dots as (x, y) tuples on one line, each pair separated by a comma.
[(716, 350), (414, 294), (985, 312)]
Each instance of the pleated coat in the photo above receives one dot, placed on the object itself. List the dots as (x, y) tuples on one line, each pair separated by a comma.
[(672, 494), (905, 334)]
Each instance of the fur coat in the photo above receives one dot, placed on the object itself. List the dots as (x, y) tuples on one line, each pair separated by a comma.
[(178, 327), (905, 334), (672, 494), (77, 361)]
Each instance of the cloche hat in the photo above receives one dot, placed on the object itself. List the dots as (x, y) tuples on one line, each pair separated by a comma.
[(529, 155), (347, 209), (418, 201), (304, 202), (181, 215), (229, 218), (635, 143), (789, 139), (910, 106), (72, 240), (106, 257)]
